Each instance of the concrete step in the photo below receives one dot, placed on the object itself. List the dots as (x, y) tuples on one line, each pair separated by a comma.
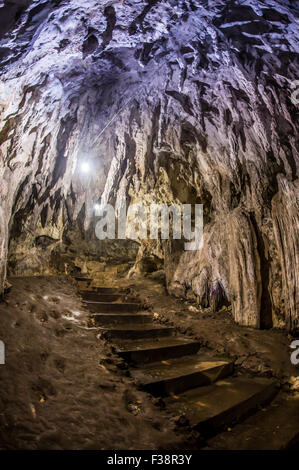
[(107, 307), (98, 297), (145, 351), (178, 375), (137, 331), (104, 319), (222, 404), (275, 427)]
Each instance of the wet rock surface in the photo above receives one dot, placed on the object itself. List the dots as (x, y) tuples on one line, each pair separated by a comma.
[(170, 102)]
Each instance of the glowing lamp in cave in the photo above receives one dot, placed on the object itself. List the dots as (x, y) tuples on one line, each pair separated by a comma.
[(85, 167), (96, 208)]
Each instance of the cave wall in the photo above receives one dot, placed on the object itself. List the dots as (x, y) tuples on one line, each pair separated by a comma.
[(173, 101), (64, 247)]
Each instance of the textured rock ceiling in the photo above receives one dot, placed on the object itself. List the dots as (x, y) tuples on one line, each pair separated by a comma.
[(173, 101)]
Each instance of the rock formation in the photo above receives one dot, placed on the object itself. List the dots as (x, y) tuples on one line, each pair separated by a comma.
[(168, 101)]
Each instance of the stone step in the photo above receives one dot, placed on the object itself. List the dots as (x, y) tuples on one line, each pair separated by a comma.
[(155, 350), (222, 404), (137, 331), (178, 375), (98, 297), (121, 318), (275, 427), (107, 307), (83, 279), (100, 290)]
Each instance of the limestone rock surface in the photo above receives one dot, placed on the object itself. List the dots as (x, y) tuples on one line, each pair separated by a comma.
[(170, 102)]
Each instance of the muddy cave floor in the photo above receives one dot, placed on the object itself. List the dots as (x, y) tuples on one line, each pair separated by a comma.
[(63, 388)]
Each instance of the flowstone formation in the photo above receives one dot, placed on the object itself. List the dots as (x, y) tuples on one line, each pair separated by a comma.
[(169, 102)]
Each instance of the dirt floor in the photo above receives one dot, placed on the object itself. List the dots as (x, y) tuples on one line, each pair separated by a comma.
[(63, 388)]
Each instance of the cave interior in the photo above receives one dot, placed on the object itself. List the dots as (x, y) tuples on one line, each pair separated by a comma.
[(133, 342)]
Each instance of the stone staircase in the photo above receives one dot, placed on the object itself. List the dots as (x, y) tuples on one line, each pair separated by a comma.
[(168, 365)]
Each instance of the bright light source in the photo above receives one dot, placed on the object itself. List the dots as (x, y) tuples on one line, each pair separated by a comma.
[(97, 208), (85, 167)]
